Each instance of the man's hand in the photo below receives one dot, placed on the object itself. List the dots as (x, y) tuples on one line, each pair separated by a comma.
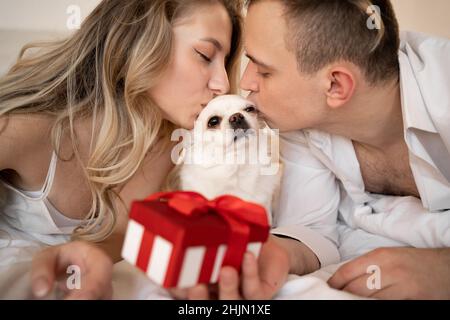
[(260, 279), (406, 273), (50, 265)]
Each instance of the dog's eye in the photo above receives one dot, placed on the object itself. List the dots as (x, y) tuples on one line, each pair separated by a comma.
[(213, 122), (250, 109)]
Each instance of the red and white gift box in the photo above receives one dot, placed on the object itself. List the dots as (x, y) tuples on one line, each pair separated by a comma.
[(180, 239)]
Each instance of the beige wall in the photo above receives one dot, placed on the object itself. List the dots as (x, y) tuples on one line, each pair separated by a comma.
[(37, 15), (22, 21), (429, 16)]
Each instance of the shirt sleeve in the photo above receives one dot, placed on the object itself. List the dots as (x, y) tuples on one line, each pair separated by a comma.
[(307, 207), (404, 219)]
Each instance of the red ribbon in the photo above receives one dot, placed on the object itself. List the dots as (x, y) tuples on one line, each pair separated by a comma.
[(237, 213)]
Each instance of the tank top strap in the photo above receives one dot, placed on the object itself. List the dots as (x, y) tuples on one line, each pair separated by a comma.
[(50, 176), (46, 187)]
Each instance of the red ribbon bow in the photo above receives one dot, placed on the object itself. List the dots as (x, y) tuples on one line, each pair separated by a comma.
[(236, 212)]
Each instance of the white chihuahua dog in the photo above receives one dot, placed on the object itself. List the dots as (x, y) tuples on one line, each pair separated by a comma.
[(232, 151)]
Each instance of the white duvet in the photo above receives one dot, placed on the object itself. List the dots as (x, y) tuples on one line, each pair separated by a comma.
[(17, 250)]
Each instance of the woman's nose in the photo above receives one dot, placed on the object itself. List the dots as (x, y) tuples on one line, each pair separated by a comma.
[(219, 82)]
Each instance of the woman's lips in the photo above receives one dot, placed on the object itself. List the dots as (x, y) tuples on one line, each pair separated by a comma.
[(198, 113)]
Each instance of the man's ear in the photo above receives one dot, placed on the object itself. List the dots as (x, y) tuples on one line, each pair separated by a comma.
[(341, 85)]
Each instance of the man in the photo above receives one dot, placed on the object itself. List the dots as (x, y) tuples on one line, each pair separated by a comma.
[(376, 138), (367, 156)]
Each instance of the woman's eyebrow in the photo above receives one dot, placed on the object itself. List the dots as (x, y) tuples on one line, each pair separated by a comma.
[(215, 42)]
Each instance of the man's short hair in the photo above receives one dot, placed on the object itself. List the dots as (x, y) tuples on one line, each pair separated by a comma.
[(363, 32)]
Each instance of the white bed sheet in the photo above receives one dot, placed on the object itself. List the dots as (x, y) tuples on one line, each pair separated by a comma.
[(130, 283)]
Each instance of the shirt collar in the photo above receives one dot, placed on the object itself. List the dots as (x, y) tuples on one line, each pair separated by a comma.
[(414, 109)]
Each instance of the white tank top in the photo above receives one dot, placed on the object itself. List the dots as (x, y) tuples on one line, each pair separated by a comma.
[(32, 213)]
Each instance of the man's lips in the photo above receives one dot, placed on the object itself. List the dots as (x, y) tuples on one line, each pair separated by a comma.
[(261, 115)]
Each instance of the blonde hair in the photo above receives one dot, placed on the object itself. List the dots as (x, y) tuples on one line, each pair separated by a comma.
[(364, 32), (103, 72)]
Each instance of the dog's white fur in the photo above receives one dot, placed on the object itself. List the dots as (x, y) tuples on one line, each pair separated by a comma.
[(245, 180)]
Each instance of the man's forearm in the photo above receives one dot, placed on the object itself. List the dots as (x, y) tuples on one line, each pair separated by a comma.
[(302, 259), (445, 256)]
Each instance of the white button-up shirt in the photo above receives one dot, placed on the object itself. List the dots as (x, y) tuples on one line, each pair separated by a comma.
[(323, 202)]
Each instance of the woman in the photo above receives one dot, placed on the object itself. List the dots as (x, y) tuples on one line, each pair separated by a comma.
[(99, 107)]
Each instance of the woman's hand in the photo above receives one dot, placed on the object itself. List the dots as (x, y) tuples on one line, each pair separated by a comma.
[(404, 273), (82, 271), (260, 279)]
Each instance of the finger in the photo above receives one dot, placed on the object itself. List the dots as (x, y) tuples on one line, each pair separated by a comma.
[(370, 284), (213, 290), (179, 293), (91, 290), (94, 272), (60, 290), (387, 293), (361, 286), (350, 271), (90, 294), (229, 284), (251, 283), (43, 271), (199, 292), (80, 295), (95, 284)]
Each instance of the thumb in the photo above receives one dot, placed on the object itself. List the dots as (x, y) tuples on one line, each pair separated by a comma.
[(43, 271)]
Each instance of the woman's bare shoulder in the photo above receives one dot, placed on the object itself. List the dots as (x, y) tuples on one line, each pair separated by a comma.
[(22, 135)]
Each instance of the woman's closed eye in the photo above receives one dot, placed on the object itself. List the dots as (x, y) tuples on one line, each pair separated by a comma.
[(203, 56)]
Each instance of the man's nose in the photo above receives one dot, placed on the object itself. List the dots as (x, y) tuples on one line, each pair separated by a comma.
[(237, 121), (248, 81)]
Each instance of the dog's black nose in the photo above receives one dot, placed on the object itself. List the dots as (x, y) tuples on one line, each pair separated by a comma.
[(237, 121)]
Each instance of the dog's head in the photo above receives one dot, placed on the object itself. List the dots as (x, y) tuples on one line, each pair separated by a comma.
[(229, 118)]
